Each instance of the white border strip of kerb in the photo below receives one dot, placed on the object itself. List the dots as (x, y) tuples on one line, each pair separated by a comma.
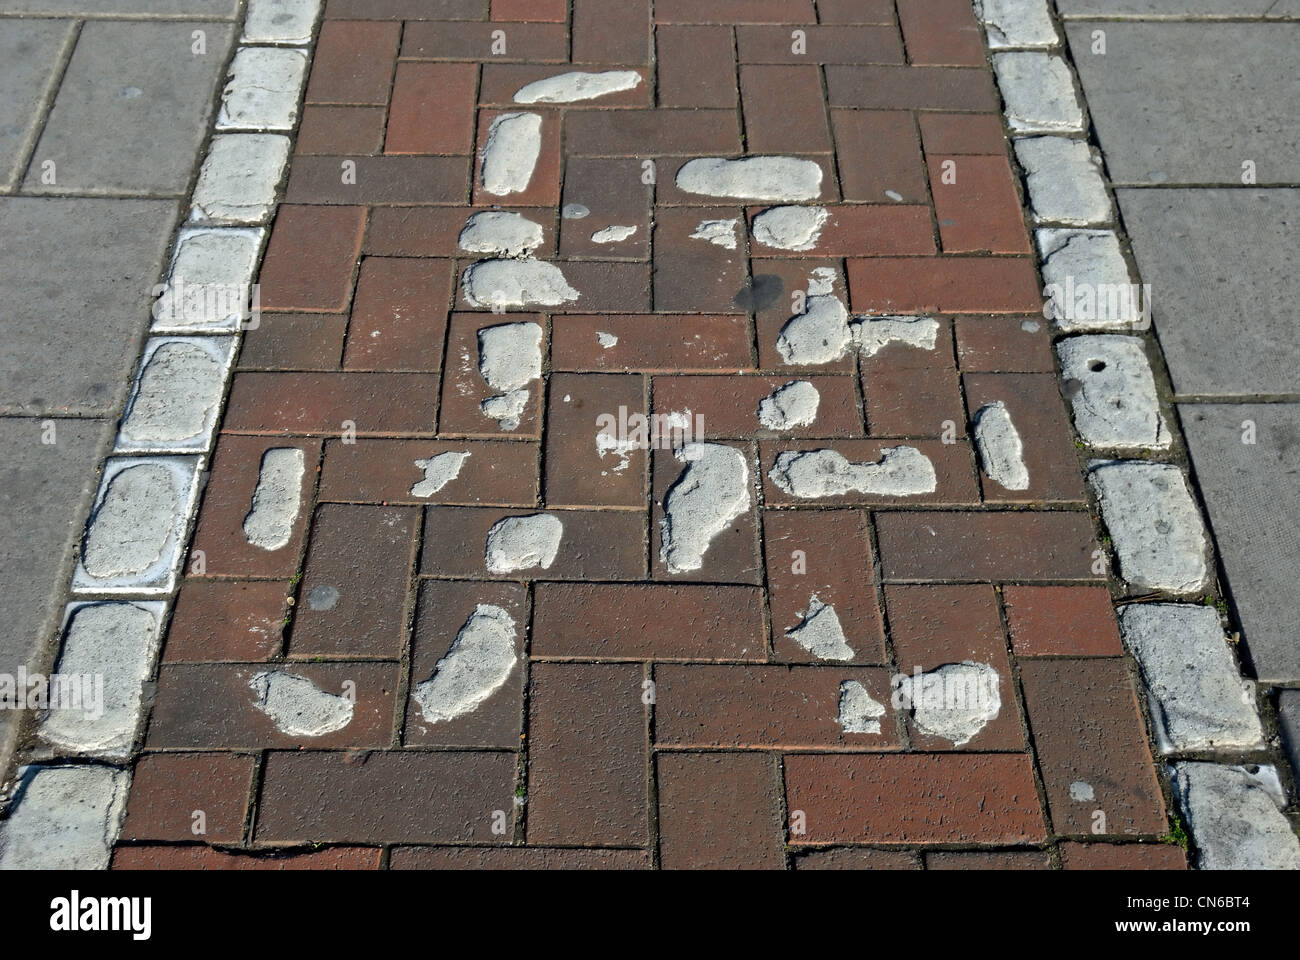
[(218, 249), (1078, 244)]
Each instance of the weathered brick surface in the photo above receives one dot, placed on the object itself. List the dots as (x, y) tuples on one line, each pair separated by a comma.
[(642, 717)]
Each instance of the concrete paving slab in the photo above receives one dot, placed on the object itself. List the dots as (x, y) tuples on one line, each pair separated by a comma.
[(29, 50), (1160, 121), (1164, 8), (209, 9), (72, 334), (132, 109), (45, 492), (1247, 489), (1221, 265), (1288, 713)]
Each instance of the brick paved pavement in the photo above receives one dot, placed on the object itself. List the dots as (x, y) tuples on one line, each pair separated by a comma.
[(606, 706)]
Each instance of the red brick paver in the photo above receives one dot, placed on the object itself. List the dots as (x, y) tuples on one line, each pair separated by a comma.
[(593, 704)]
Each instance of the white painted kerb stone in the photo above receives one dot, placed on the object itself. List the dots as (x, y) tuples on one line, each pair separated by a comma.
[(174, 405), (262, 91), (115, 644), (1016, 23), (1038, 91), (1064, 181), (238, 180), (1115, 405), (1198, 699), (1235, 816), (1156, 528), (209, 284), (280, 21), (1087, 280), (66, 818)]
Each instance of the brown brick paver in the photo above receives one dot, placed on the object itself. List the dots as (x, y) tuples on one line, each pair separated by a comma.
[(608, 711)]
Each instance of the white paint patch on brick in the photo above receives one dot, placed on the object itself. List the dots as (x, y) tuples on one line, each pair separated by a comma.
[(954, 702), (793, 405), (280, 21), (900, 472), (820, 633), (575, 211), (114, 643), (1001, 451), (614, 234), (276, 499), (1198, 699), (1082, 792), (774, 179), (522, 543), (516, 283), (711, 492), (1235, 816), (1038, 93), (65, 818), (262, 90), (1084, 268), (1154, 524), (1064, 181), (209, 283), (477, 665), (506, 409), (133, 537), (501, 234), (1115, 405), (821, 282), (297, 706), (578, 85), (439, 471), (820, 334), (720, 233), (859, 713), (790, 228), (173, 407), (514, 142), (510, 355), (239, 177), (872, 334), (1016, 23), (606, 340)]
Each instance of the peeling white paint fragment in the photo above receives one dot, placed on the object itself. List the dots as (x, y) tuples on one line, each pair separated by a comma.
[(711, 492), (521, 543), (721, 233), (819, 632), (790, 228), (510, 355), (820, 334), (607, 443), (821, 282), (752, 178), (614, 234), (1081, 791), (514, 142), (606, 340), (900, 472), (954, 702), (1000, 447), (872, 334), (574, 211), (516, 283), (793, 405), (476, 666), (578, 85), (500, 233), (297, 706), (438, 472), (506, 409), (270, 519), (859, 713)]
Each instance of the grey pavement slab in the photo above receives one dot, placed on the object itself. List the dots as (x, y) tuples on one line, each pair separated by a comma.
[(132, 110), (1167, 8), (45, 493), (78, 274), (1224, 285), (1189, 102), (1252, 493), (1288, 712), (221, 9), (29, 50)]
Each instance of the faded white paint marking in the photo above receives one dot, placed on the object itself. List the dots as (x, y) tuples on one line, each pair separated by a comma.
[(793, 405), (438, 472), (614, 234), (1081, 791), (476, 666), (499, 232), (874, 333), (954, 702), (578, 85), (1001, 451), (752, 178), (270, 519), (819, 335), (901, 472), (606, 340), (516, 283), (790, 228), (721, 233), (521, 543), (819, 632), (711, 492), (297, 706), (859, 713), (514, 142), (506, 409)]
